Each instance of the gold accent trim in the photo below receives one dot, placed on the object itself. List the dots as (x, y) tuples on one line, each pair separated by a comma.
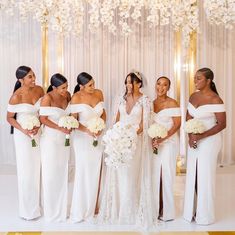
[(192, 61), (177, 64), (45, 71), (221, 233), (24, 233)]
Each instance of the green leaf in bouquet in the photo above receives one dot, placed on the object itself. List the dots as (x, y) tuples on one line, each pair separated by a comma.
[(67, 142), (155, 151), (34, 144), (95, 143)]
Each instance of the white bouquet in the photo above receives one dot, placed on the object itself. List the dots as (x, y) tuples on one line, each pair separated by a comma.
[(95, 125), (68, 122), (120, 144), (194, 126), (157, 131), (29, 122)]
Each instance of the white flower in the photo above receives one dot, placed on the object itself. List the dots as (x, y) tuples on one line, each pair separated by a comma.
[(67, 16), (220, 12), (68, 122), (185, 17), (120, 144), (8, 6), (95, 125), (94, 12), (157, 131), (107, 12), (159, 12), (28, 122), (194, 126), (63, 16)]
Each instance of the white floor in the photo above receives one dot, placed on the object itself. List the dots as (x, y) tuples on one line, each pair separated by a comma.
[(225, 208)]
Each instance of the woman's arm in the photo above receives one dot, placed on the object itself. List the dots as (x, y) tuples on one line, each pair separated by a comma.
[(190, 140), (175, 127), (103, 116), (220, 125), (140, 130), (172, 131), (11, 116), (117, 117)]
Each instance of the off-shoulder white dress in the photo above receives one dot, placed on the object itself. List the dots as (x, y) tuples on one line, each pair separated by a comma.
[(204, 160)]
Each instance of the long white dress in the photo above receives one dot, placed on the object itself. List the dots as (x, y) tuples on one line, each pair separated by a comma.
[(204, 159), (126, 190), (165, 161), (87, 165), (54, 157), (28, 164)]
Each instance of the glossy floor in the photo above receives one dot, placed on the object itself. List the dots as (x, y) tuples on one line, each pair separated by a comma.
[(225, 208)]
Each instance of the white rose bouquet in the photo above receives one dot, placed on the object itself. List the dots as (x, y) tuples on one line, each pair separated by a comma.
[(29, 122), (157, 131), (68, 122), (95, 125), (194, 126), (120, 144)]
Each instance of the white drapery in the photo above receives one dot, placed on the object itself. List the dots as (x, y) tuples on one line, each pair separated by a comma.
[(107, 58), (20, 44), (216, 50)]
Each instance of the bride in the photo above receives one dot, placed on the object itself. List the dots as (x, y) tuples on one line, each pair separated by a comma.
[(126, 193)]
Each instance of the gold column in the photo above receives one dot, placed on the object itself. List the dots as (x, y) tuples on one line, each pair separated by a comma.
[(192, 61), (177, 63), (177, 72), (45, 71), (185, 64)]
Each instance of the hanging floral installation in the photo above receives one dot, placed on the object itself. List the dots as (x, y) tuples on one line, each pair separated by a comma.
[(220, 12), (67, 16), (8, 6)]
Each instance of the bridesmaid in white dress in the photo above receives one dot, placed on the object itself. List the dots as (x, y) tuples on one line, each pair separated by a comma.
[(54, 153), (25, 101), (167, 114), (126, 190), (87, 102), (203, 149)]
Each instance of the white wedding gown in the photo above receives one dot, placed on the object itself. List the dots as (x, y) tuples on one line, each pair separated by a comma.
[(28, 164), (204, 159), (123, 200), (165, 161), (54, 157), (87, 165)]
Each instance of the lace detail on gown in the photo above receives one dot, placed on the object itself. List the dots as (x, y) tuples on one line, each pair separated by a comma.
[(126, 197)]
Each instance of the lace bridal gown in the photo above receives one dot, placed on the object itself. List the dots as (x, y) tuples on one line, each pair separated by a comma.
[(126, 197), (28, 164)]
